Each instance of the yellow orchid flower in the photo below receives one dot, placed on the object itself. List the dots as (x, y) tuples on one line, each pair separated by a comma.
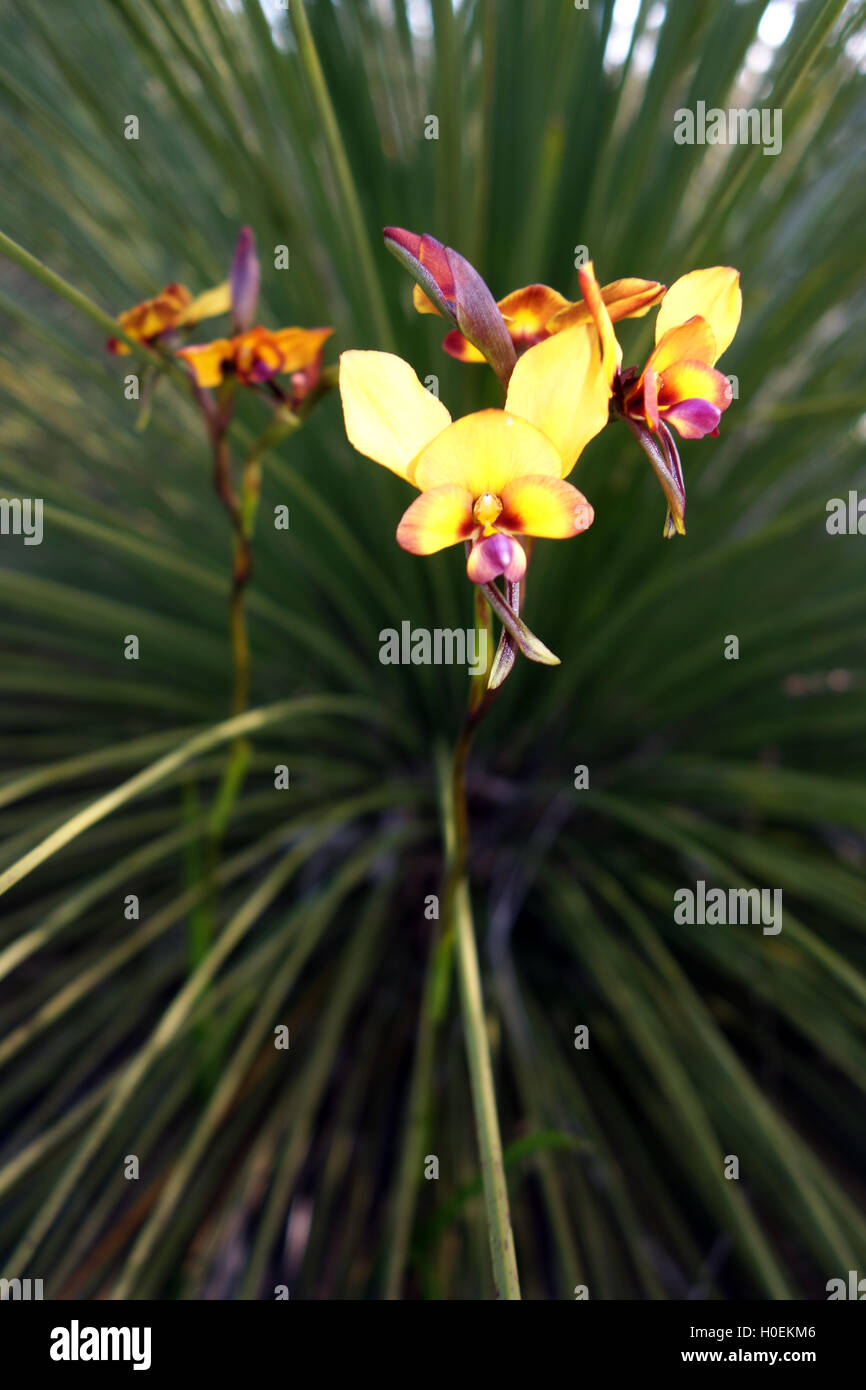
[(258, 355), (491, 476), (536, 312), (679, 386), (174, 307)]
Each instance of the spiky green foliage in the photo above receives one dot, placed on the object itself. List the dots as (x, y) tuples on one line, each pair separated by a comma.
[(154, 1037)]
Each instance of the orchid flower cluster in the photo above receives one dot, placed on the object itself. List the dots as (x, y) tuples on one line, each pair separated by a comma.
[(252, 358), (498, 479)]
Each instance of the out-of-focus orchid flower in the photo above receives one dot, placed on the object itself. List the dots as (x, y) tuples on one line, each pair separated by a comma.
[(257, 356), (173, 308), (492, 476), (679, 387)]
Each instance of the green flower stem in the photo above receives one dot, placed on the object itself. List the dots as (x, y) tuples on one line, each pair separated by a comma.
[(241, 512), (234, 772), (434, 1000), (241, 570), (240, 751), (419, 1107), (452, 774)]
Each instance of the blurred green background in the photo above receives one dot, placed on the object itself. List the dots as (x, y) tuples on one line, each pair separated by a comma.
[(261, 1167)]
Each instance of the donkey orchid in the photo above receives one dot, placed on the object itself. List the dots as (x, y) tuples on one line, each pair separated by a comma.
[(253, 356), (679, 386), (257, 356), (173, 308), (492, 476)]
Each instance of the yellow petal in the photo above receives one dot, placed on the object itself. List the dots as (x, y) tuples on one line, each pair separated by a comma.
[(460, 348), (560, 387), (388, 414), (151, 319), (712, 294), (436, 519), (422, 303), (689, 381), (527, 313), (483, 452), (154, 316), (631, 298), (650, 382), (547, 507), (300, 346), (207, 305), (624, 299), (692, 341), (207, 360), (611, 352)]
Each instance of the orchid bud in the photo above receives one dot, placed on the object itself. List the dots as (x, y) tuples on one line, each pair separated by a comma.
[(458, 292), (244, 281)]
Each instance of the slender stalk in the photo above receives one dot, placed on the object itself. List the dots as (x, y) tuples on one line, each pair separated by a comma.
[(238, 633), (242, 568), (459, 909), (241, 516), (418, 1110), (241, 512)]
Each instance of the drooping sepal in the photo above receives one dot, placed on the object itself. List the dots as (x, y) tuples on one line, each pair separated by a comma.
[(506, 653), (660, 449), (531, 646)]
